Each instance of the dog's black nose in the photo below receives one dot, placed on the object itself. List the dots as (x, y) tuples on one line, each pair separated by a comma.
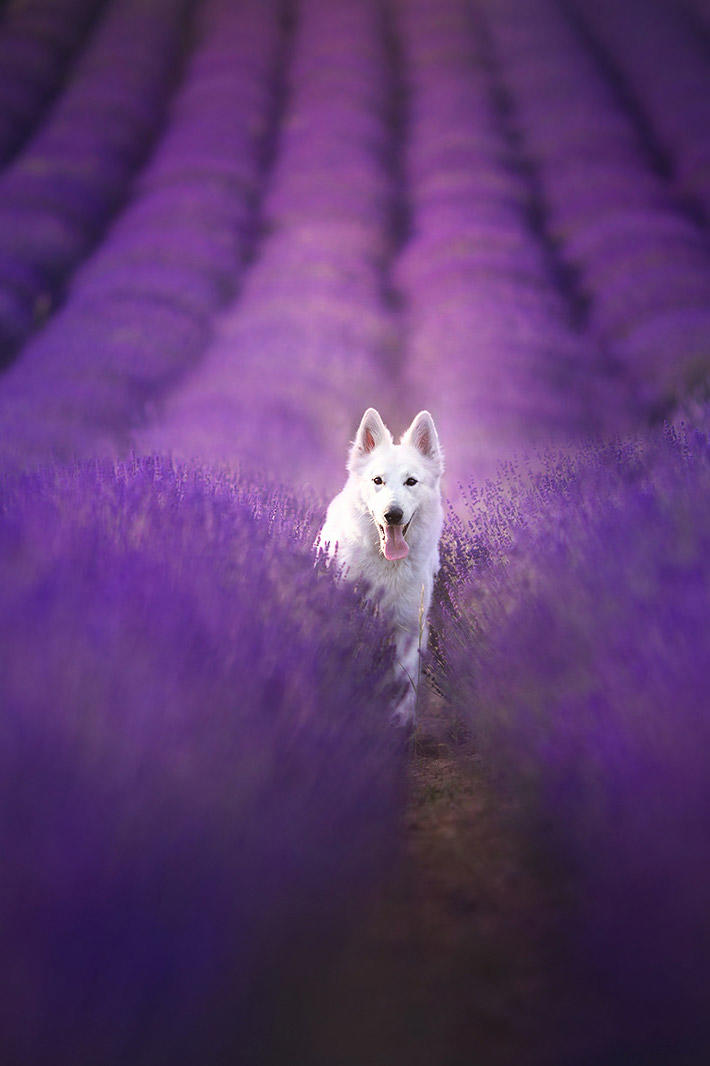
[(394, 516)]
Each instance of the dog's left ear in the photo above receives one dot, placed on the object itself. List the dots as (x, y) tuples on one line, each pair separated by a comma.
[(422, 435)]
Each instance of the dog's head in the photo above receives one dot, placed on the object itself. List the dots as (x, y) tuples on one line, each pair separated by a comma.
[(399, 484)]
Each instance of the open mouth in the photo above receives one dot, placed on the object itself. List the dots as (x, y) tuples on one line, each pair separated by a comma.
[(392, 541)]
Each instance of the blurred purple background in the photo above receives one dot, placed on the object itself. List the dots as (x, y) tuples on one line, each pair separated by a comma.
[(226, 228), (231, 222)]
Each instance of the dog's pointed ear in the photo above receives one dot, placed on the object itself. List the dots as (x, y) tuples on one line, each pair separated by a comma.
[(422, 435), (371, 432)]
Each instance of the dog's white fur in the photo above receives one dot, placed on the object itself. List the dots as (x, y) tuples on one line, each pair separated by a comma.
[(385, 478)]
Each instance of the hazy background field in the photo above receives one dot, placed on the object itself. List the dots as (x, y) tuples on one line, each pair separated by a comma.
[(226, 228)]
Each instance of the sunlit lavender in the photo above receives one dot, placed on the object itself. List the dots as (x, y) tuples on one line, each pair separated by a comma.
[(226, 228)]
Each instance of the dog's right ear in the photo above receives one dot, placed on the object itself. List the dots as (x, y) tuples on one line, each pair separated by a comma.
[(371, 432)]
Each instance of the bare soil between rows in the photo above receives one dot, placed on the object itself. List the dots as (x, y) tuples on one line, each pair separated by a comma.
[(452, 963)]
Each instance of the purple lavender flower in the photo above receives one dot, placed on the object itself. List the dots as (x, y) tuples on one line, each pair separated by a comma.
[(197, 767), (61, 190), (577, 650)]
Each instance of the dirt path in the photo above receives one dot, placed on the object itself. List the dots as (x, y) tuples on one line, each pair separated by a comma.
[(447, 969)]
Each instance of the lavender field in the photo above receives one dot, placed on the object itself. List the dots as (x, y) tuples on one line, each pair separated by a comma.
[(226, 228)]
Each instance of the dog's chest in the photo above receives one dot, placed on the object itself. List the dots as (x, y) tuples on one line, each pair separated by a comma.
[(402, 588)]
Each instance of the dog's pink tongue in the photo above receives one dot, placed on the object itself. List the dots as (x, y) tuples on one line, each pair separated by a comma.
[(396, 546)]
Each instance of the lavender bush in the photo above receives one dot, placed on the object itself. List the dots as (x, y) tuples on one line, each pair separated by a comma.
[(395, 199), (60, 191), (492, 340), (262, 217), (575, 643), (140, 308), (308, 341), (37, 43), (671, 98), (198, 773), (637, 254)]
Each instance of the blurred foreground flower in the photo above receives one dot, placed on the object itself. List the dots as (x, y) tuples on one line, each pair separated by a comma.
[(197, 769)]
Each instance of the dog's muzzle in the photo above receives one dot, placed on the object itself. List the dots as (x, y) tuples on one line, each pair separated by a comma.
[(392, 538)]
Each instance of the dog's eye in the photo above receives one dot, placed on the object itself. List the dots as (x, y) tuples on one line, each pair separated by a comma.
[(377, 480), (411, 481)]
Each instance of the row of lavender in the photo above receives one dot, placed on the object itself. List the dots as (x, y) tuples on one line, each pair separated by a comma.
[(308, 344), (59, 192), (673, 95), (38, 42), (205, 792), (140, 309), (537, 303), (574, 640), (193, 794), (166, 567), (492, 340), (506, 241), (476, 279), (640, 256)]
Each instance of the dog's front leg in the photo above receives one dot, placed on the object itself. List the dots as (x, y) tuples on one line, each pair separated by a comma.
[(408, 669)]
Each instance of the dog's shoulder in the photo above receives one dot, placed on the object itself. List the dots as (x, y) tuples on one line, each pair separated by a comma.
[(341, 525)]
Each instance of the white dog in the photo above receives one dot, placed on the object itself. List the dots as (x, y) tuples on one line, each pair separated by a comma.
[(384, 528)]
